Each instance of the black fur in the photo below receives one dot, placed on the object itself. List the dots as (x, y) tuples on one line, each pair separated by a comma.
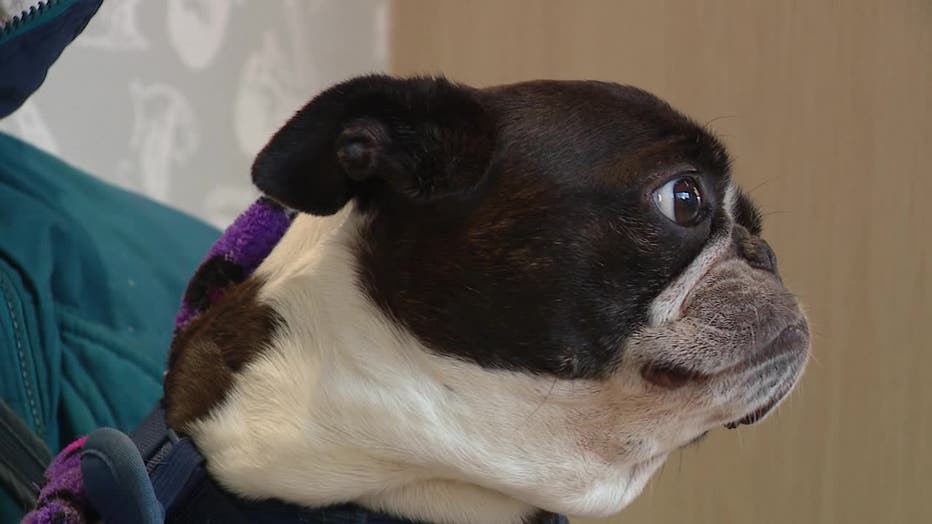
[(214, 274), (424, 138), (512, 226), (747, 215)]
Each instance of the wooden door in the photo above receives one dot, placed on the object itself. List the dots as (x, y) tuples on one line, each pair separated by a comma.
[(827, 110)]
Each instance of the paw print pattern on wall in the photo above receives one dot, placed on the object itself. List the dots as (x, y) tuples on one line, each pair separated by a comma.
[(266, 96), (196, 29), (275, 79), (115, 28), (173, 99), (163, 138)]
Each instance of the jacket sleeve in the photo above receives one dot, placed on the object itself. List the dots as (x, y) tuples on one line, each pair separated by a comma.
[(31, 42)]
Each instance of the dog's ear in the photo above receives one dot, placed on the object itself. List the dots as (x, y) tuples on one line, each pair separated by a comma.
[(424, 138)]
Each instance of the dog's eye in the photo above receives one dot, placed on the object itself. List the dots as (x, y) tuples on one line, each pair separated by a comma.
[(680, 200)]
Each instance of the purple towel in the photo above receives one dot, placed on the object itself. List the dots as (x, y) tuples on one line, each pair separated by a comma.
[(62, 498), (232, 258)]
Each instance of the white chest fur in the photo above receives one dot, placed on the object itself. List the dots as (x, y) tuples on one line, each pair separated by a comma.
[(346, 406)]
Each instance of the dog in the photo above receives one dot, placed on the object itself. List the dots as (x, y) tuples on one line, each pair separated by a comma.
[(494, 305)]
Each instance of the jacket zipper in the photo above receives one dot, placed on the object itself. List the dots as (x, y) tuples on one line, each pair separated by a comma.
[(27, 19)]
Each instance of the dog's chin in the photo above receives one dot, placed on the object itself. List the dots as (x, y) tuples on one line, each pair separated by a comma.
[(610, 496), (641, 473)]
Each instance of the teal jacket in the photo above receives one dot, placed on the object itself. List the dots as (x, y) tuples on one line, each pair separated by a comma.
[(90, 275)]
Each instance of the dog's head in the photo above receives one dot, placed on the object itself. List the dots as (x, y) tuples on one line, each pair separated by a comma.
[(561, 229), (581, 238)]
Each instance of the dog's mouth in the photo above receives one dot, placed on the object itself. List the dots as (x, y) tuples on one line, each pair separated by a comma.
[(788, 353), (759, 413), (788, 381)]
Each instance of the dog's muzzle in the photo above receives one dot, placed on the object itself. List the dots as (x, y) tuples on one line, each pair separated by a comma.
[(741, 341)]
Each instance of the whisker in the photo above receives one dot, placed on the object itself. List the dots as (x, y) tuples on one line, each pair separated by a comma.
[(760, 185), (716, 119), (773, 213), (814, 359)]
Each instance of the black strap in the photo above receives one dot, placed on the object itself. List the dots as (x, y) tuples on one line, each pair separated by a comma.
[(23, 457), (179, 491), (152, 476), (188, 495)]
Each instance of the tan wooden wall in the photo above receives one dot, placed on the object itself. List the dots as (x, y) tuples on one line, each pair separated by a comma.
[(827, 109)]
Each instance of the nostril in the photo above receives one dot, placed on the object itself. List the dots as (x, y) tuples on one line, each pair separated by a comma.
[(766, 258), (669, 376)]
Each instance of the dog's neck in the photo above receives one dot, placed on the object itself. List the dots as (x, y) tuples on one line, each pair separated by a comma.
[(344, 406)]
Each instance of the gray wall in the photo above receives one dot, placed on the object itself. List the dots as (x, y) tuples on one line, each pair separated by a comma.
[(174, 98)]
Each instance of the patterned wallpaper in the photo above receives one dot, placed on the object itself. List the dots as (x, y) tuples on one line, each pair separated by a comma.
[(174, 98)]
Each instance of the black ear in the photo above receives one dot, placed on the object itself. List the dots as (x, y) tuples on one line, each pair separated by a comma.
[(421, 137)]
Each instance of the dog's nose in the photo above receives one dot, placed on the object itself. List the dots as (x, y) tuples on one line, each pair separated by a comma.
[(755, 250)]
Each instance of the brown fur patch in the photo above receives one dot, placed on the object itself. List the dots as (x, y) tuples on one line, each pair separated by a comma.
[(206, 355)]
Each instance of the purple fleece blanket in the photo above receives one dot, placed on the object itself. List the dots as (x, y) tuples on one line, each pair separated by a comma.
[(232, 258)]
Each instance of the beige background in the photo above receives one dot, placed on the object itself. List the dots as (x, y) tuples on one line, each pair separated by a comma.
[(826, 108)]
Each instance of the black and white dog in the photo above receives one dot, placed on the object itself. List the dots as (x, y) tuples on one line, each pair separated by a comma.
[(495, 303)]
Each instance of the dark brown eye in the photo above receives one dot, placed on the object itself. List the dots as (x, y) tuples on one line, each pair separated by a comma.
[(680, 200)]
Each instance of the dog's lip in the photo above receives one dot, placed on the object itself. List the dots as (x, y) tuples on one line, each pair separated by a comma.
[(790, 336), (760, 412), (699, 438), (755, 415)]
